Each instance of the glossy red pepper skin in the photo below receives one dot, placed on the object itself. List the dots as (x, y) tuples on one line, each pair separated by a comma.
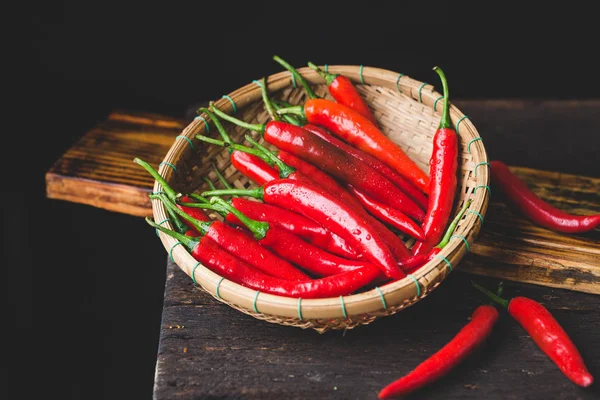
[(389, 215), (339, 164), (357, 130), (228, 266), (537, 210), (196, 213), (253, 167), (311, 201), (547, 333), (453, 353), (344, 92), (374, 163), (292, 222)]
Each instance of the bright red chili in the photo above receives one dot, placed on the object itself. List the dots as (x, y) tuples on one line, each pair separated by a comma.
[(547, 333), (388, 214), (242, 246), (536, 209), (404, 185), (443, 168), (236, 270), (470, 337), (292, 248), (309, 200)]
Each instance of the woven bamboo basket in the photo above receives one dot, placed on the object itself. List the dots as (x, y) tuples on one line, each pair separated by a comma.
[(408, 111)]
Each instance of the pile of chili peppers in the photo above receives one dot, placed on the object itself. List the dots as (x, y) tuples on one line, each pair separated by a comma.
[(334, 197)]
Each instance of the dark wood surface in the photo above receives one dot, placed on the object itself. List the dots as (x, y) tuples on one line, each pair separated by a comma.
[(211, 351)]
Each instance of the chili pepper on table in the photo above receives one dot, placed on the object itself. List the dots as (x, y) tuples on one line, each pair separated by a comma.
[(470, 337), (547, 333), (309, 200), (291, 247), (537, 210), (230, 267), (443, 168), (241, 245)]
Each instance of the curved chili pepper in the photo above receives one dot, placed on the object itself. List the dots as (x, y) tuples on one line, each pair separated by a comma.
[(292, 248), (469, 338), (374, 163), (236, 270), (242, 246), (253, 167), (537, 210), (443, 167), (388, 214), (309, 200), (547, 333), (357, 130)]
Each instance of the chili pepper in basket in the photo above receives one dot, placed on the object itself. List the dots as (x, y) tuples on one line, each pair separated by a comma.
[(443, 168), (470, 337), (291, 247), (241, 245), (537, 210), (236, 270), (547, 333), (309, 200)]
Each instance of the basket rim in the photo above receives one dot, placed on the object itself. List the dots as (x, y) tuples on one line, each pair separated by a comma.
[(399, 293)]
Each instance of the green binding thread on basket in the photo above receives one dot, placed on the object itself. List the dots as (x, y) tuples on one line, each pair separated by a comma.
[(188, 140), (464, 239), (459, 121), (171, 251), (382, 297), (441, 257), (481, 163), (436, 101), (157, 193), (420, 89), (417, 284), (343, 307), (169, 164), (471, 141), (206, 126), (254, 303), (300, 308), (194, 273), (231, 101), (162, 222), (476, 213), (398, 81), (218, 287), (483, 186), (294, 83), (257, 82), (362, 79), (326, 68)]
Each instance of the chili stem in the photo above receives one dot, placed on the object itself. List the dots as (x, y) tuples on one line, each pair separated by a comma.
[(491, 295), (329, 78), (295, 110), (179, 226), (257, 193), (198, 197), (267, 101), (167, 189), (445, 121), (453, 224), (298, 77), (284, 169), (253, 127), (221, 177), (185, 240), (201, 226), (209, 183), (236, 146), (259, 229), (218, 125)]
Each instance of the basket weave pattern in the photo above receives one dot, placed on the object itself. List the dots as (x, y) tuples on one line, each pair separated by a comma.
[(404, 109)]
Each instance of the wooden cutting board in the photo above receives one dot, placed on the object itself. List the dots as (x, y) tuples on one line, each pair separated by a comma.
[(98, 170)]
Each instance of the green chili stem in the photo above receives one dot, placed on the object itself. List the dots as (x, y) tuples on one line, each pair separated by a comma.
[(179, 226), (445, 121), (218, 125), (267, 101), (284, 169), (201, 226), (206, 206), (166, 188), (298, 77), (221, 177), (253, 127), (493, 296), (259, 229), (453, 224), (209, 183), (236, 146), (329, 78), (198, 197), (257, 193), (296, 110), (287, 117), (187, 241)]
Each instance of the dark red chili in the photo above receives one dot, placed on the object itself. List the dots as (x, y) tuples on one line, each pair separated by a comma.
[(389, 215), (547, 333), (442, 169), (469, 338), (242, 246), (537, 210), (291, 247), (309, 200), (236, 270)]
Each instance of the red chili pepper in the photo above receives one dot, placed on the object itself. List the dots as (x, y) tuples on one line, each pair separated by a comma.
[(242, 246), (537, 210), (443, 167), (253, 167), (547, 333), (374, 163), (309, 200), (388, 214), (291, 247), (469, 338)]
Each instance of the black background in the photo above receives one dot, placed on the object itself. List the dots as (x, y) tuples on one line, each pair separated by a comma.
[(83, 287)]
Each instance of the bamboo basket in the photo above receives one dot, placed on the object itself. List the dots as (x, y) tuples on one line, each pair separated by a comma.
[(408, 111)]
